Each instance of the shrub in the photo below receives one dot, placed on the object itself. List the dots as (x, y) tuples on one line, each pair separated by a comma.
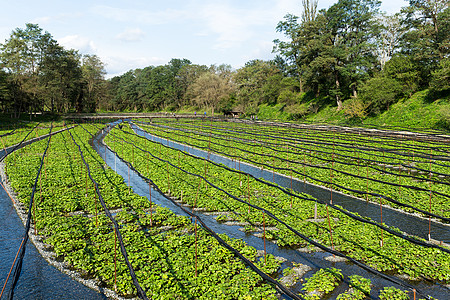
[(355, 108), (379, 93)]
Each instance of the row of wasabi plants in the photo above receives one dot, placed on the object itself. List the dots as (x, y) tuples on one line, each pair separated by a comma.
[(164, 249)]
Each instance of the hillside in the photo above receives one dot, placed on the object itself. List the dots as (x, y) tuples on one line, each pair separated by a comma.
[(415, 112)]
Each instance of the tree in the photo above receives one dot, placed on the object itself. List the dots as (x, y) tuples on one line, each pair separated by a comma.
[(318, 55), (4, 91), (309, 11), (380, 92), (427, 39), (290, 50), (93, 75), (209, 89), (403, 69), (186, 76), (440, 78), (251, 79), (388, 38), (124, 90), (22, 55), (351, 23), (61, 81), (295, 49), (42, 75)]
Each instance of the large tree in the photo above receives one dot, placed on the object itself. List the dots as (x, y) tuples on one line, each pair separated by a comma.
[(94, 76), (388, 38), (60, 80), (42, 75), (427, 39), (251, 79), (210, 89), (352, 27), (22, 55)]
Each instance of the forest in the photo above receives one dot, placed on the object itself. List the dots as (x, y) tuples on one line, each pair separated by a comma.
[(350, 55)]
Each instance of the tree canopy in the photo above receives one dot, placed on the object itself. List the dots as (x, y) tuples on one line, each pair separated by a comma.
[(348, 52)]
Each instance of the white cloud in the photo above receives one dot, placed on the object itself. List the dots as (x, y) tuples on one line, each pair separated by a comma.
[(84, 45), (235, 26), (115, 65), (41, 20), (131, 35), (226, 23), (139, 16)]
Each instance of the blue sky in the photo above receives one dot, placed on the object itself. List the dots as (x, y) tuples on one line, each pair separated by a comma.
[(129, 34)]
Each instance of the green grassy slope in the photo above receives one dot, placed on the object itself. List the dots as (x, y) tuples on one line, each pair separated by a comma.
[(415, 112)]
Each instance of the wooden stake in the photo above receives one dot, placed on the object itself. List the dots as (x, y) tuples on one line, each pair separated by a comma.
[(196, 197), (264, 236), (273, 172), (115, 259), (168, 178), (291, 188), (381, 220), (367, 182), (248, 192), (329, 226), (86, 182), (240, 180), (151, 206), (429, 183), (195, 230)]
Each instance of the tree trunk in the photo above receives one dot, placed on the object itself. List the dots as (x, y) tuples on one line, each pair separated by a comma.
[(338, 97)]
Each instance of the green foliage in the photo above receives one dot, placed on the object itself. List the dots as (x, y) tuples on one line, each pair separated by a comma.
[(440, 78), (391, 293), (161, 247), (355, 108), (402, 69), (360, 289), (324, 280), (378, 94), (42, 75), (415, 260), (269, 112)]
